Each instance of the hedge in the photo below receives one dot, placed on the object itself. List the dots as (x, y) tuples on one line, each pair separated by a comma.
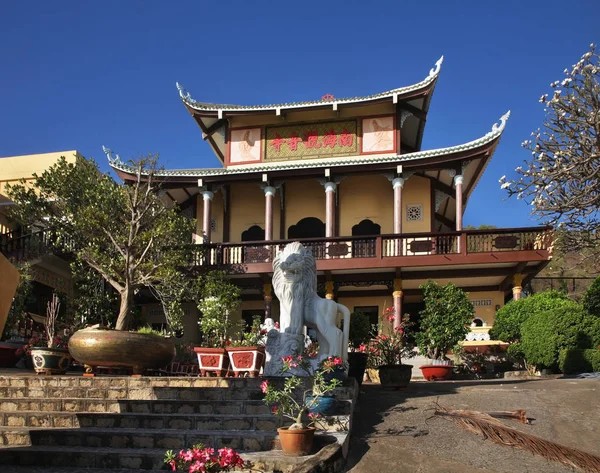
[(576, 360)]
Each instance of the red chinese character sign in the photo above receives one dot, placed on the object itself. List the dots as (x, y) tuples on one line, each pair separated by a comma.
[(311, 140), (245, 145)]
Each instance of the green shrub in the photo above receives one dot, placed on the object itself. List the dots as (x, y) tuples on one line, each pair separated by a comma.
[(510, 318), (545, 334), (360, 330), (576, 360), (445, 320), (591, 299)]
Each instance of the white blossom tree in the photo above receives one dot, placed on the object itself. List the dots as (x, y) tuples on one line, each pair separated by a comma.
[(561, 181)]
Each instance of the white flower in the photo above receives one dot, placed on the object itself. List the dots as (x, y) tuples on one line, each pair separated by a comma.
[(502, 179), (566, 81), (506, 185), (543, 98)]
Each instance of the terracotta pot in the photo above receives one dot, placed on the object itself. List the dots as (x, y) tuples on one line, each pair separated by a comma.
[(246, 360), (50, 360), (437, 372), (395, 376), (296, 443), (212, 360), (119, 348)]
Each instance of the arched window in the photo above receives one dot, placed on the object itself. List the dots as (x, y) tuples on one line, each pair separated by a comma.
[(309, 227), (477, 322), (254, 233), (365, 248), (366, 227)]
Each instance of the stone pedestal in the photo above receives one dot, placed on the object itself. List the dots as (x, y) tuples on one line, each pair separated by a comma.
[(280, 344)]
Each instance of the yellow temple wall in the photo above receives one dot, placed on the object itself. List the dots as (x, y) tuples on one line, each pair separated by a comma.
[(303, 198), (9, 280), (382, 302), (247, 208), (417, 190), (216, 213), (365, 197), (487, 313)]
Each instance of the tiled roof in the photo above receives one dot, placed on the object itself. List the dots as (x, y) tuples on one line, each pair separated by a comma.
[(203, 106), (496, 131)]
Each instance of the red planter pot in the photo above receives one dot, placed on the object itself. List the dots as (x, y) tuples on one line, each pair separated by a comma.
[(212, 360), (437, 372), (246, 360)]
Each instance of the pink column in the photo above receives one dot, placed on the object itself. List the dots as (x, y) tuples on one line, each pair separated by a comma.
[(206, 217), (517, 288), (397, 295), (330, 209), (398, 184), (269, 197), (458, 183)]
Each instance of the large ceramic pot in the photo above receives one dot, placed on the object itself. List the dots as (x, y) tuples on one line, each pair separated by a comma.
[(50, 360), (246, 360), (357, 364), (119, 348), (322, 405), (395, 376), (212, 361), (437, 372), (296, 443)]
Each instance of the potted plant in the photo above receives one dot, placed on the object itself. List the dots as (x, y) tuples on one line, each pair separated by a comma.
[(360, 334), (247, 354), (389, 347), (294, 403), (220, 299), (55, 358), (445, 321)]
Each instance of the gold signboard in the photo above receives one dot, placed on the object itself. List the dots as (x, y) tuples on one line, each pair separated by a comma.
[(311, 140)]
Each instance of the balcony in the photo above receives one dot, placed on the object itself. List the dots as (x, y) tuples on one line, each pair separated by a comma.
[(381, 251)]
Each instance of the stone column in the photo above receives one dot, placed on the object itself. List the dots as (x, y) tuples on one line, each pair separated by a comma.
[(329, 288), (267, 290), (398, 185), (397, 294), (517, 288), (269, 197), (330, 188), (207, 214), (458, 184)]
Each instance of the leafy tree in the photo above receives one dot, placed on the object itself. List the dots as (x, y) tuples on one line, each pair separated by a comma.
[(510, 318), (546, 333), (22, 299), (360, 330), (124, 232), (561, 180), (445, 320), (591, 300)]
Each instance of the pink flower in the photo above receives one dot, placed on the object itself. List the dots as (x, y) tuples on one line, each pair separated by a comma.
[(264, 386), (362, 348), (274, 409), (277, 325)]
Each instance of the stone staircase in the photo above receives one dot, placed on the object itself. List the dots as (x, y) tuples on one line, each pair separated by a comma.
[(129, 423)]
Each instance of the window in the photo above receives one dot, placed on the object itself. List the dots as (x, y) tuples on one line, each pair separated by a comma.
[(414, 213), (373, 313), (248, 316)]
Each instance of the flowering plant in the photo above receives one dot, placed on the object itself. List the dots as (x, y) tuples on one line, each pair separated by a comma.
[(391, 344), (331, 364), (294, 403), (185, 353), (205, 460), (255, 337)]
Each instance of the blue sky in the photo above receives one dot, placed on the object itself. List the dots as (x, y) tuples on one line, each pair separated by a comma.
[(82, 74)]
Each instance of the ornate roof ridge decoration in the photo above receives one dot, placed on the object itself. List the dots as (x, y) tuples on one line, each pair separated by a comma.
[(204, 106), (114, 161), (495, 132)]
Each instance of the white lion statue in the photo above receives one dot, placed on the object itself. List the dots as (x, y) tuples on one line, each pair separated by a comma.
[(295, 285)]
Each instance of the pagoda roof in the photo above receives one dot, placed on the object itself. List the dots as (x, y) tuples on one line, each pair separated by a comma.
[(395, 94)]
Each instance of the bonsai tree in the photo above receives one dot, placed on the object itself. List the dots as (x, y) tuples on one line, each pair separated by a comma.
[(444, 321), (126, 233), (220, 298), (360, 331)]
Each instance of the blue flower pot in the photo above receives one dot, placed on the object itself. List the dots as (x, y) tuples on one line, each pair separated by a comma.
[(324, 405)]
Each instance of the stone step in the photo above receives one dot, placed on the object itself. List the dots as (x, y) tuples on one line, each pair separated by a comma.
[(241, 440), (46, 459), (138, 406), (129, 420)]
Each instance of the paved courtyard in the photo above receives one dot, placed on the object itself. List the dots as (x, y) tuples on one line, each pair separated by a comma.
[(393, 431)]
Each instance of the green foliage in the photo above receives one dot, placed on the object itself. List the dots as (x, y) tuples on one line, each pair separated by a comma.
[(23, 297), (220, 298), (360, 330), (510, 318), (445, 320), (546, 333), (591, 300), (147, 330), (124, 232), (576, 360)]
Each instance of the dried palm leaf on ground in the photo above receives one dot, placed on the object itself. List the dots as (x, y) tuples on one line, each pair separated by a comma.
[(484, 424)]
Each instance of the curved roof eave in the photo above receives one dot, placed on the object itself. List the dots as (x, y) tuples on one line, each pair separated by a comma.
[(496, 131), (426, 83)]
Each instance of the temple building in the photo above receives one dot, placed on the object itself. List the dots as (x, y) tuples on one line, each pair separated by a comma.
[(348, 178)]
